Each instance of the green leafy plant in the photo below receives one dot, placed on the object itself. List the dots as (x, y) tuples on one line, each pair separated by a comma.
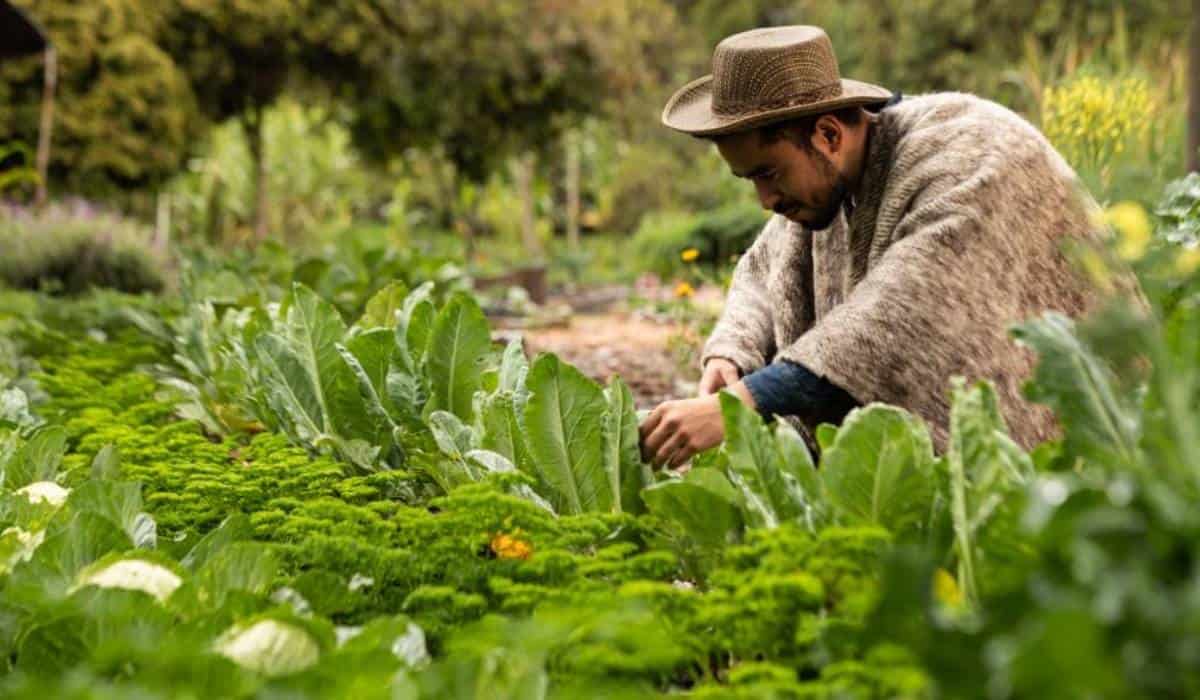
[(17, 176)]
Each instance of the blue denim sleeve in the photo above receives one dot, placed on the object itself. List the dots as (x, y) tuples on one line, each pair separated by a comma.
[(788, 389)]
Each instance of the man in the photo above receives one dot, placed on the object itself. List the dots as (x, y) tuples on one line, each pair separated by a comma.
[(907, 236)]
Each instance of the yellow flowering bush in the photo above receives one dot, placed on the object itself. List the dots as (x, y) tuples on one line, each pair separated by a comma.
[(1091, 120), (689, 255), (683, 290), (1131, 223)]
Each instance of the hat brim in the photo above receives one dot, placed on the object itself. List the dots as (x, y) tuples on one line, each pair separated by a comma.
[(690, 109)]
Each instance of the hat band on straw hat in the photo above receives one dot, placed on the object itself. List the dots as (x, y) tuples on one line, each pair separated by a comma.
[(817, 94)]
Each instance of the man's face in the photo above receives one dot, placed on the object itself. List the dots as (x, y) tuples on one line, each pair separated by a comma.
[(802, 184)]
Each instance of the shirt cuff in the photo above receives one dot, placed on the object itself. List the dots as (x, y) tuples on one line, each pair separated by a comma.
[(786, 388)]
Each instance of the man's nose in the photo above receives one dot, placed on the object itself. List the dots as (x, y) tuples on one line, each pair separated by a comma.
[(767, 195)]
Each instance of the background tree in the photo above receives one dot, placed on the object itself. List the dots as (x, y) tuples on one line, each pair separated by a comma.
[(1193, 137), (238, 55), (484, 83), (970, 45), (125, 112)]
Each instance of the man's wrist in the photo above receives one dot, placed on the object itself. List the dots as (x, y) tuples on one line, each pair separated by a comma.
[(743, 392)]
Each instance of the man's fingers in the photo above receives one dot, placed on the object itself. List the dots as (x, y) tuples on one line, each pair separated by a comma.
[(681, 455), (729, 376), (663, 456), (655, 438), (650, 423)]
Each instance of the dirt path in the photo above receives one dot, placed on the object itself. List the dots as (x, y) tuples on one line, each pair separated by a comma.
[(620, 342)]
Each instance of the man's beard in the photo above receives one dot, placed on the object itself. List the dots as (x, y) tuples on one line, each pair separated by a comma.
[(825, 217), (837, 195)]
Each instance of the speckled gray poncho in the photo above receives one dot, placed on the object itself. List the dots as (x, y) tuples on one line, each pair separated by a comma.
[(957, 233)]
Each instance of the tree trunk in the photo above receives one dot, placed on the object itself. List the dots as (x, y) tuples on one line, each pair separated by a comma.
[(50, 78), (572, 144), (215, 231), (449, 186), (254, 129), (162, 222), (1193, 138), (524, 172), (468, 214)]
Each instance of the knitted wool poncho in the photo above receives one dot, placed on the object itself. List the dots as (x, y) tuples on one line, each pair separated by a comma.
[(957, 233)]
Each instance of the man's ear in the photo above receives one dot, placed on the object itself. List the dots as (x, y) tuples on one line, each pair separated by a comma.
[(827, 134)]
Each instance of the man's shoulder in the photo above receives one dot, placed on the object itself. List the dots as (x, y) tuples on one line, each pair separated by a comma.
[(942, 134), (948, 107), (959, 118)]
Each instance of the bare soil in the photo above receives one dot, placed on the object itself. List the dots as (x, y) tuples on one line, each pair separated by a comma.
[(620, 342)]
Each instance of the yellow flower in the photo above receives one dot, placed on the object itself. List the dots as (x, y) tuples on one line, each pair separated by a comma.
[(946, 590), (684, 290), (1188, 261), (1133, 228), (510, 546), (689, 255), (1091, 122)]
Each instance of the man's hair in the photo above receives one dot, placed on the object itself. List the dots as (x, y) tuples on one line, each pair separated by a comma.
[(800, 129)]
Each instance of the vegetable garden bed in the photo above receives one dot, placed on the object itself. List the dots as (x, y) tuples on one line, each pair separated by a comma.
[(259, 499)]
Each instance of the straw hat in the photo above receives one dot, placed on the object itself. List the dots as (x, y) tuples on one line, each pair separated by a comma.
[(763, 76)]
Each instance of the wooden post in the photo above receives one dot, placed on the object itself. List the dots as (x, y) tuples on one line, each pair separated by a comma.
[(50, 82), (255, 130), (529, 237), (257, 141), (572, 145), (1193, 136), (162, 222)]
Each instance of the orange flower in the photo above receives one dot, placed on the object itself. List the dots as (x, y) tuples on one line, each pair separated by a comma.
[(510, 546), (684, 290), (689, 255)]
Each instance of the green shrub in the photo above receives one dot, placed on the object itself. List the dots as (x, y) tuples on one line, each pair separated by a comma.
[(717, 235), (67, 251), (317, 184)]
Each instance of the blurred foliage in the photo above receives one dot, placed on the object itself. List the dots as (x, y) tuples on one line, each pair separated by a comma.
[(317, 182), (235, 52), (715, 236), (1121, 125), (125, 112), (1106, 607), (357, 110), (1180, 211), (927, 45), (532, 63), (1092, 121), (653, 174), (347, 268), (16, 171), (70, 249)]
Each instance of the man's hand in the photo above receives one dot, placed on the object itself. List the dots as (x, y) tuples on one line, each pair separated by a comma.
[(676, 430), (718, 374)]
